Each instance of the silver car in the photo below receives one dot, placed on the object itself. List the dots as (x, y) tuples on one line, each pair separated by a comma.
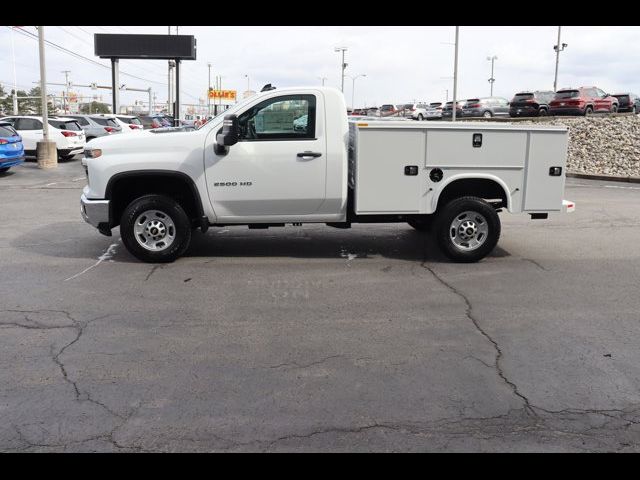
[(95, 126)]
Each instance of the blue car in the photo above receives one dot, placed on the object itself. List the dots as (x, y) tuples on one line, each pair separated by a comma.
[(11, 148)]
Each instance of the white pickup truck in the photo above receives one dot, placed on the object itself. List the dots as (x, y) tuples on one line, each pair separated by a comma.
[(291, 156)]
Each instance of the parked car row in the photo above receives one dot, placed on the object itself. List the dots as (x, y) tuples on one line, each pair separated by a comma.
[(527, 103)]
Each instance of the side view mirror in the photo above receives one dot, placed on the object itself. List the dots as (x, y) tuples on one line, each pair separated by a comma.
[(230, 131)]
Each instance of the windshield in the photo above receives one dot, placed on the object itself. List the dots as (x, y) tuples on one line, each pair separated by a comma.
[(7, 131), (65, 125), (567, 94), (107, 122), (519, 97), (229, 111), (134, 120)]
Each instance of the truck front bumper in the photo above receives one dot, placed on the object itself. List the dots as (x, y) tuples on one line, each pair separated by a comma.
[(96, 213)]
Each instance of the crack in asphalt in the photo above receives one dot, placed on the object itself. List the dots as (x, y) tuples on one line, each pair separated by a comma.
[(297, 365), (499, 354), (153, 270), (534, 263)]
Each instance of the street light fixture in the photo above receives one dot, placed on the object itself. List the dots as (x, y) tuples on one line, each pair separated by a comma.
[(342, 65), (353, 87), (558, 48), (492, 80)]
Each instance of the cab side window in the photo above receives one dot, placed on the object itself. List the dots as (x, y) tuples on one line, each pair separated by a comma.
[(290, 117)]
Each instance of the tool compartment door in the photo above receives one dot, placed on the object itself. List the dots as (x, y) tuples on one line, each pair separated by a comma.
[(544, 191), (382, 186)]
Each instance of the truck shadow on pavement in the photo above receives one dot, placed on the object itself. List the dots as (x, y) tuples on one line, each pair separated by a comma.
[(73, 240)]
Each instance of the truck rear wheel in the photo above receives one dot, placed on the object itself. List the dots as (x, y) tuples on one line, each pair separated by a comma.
[(467, 229), (155, 229)]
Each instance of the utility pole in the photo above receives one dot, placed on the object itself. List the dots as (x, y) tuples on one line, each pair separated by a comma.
[(322, 79), (15, 83), (455, 78), (46, 150), (150, 101), (447, 92), (66, 83), (209, 91), (558, 48), (492, 80), (342, 65)]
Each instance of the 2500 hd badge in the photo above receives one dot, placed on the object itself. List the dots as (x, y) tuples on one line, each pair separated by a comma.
[(232, 184)]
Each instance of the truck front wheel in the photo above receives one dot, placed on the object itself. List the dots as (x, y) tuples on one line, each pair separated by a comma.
[(155, 229), (467, 229)]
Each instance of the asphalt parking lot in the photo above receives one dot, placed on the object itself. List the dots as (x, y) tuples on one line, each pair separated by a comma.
[(317, 339)]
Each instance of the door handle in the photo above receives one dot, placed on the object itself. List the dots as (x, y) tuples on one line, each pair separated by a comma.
[(308, 154)]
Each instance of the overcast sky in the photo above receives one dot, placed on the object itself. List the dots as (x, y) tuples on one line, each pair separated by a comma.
[(401, 63)]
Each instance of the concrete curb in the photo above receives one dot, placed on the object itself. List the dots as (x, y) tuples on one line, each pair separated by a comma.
[(608, 178)]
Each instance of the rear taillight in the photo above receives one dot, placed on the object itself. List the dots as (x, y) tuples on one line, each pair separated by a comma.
[(134, 127), (69, 134), (109, 129), (474, 105), (3, 141)]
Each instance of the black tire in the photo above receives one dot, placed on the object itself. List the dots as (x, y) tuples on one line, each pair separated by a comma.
[(89, 139), (588, 111), (487, 114), (634, 110), (422, 224), (420, 117), (543, 112), (4, 169), (614, 108), (166, 206), (450, 212)]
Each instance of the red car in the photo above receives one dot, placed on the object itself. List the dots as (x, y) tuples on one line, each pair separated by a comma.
[(582, 101)]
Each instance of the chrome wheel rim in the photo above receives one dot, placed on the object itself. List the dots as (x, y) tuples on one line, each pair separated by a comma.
[(469, 231), (154, 230)]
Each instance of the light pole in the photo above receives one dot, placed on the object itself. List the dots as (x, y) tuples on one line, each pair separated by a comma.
[(342, 65), (455, 78), (46, 150), (492, 80), (15, 86), (66, 83), (209, 91), (558, 48), (322, 79), (247, 77), (353, 87)]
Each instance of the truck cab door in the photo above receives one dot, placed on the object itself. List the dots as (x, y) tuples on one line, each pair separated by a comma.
[(278, 167)]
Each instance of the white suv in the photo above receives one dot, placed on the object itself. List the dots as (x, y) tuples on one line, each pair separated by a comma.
[(66, 132)]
